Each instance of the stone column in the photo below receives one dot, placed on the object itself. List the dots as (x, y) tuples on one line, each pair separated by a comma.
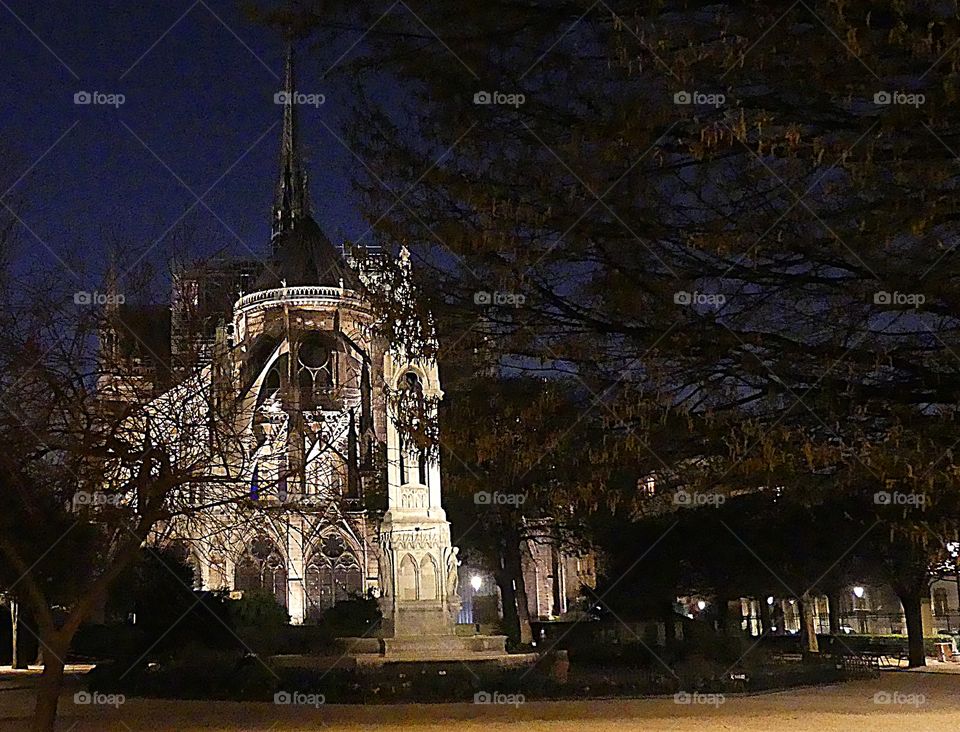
[(296, 592)]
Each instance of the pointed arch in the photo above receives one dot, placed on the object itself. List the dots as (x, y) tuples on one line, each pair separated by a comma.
[(332, 572), (429, 579), (408, 575), (261, 567)]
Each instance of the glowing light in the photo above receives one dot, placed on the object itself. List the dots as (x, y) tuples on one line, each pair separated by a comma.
[(770, 600), (701, 604), (476, 582), (858, 591)]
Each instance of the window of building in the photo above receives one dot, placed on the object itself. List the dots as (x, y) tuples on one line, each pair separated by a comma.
[(332, 575), (262, 568), (940, 608)]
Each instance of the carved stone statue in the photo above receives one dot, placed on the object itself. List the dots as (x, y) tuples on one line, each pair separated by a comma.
[(386, 574), (453, 576)]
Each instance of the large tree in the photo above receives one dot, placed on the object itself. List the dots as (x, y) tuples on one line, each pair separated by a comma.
[(94, 462), (741, 208)]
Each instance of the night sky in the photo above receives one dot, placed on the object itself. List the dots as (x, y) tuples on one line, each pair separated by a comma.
[(198, 93)]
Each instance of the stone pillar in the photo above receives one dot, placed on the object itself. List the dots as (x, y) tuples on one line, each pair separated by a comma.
[(418, 574), (203, 567), (296, 591), (418, 566)]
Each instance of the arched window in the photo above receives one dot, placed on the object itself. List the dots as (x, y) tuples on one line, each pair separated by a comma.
[(257, 357), (272, 383), (414, 420), (317, 358), (262, 569), (332, 574), (347, 578)]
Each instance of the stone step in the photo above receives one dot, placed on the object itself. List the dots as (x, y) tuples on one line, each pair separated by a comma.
[(445, 646)]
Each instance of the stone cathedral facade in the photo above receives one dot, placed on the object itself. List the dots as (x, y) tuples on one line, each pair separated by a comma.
[(321, 496)]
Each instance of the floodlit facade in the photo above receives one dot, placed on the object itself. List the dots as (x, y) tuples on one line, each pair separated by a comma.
[(306, 413)]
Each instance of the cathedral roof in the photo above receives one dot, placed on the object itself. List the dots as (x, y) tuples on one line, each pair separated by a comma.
[(303, 255)]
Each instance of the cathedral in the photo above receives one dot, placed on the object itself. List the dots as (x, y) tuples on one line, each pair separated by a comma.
[(319, 492)]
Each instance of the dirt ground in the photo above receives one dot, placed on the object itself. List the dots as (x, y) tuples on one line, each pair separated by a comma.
[(897, 701)]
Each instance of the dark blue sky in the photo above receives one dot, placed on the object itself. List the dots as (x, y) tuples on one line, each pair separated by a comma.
[(195, 95)]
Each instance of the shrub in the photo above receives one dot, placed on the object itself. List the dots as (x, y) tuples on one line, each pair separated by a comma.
[(352, 618), (258, 608)]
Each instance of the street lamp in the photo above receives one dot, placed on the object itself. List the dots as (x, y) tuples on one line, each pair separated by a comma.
[(954, 548)]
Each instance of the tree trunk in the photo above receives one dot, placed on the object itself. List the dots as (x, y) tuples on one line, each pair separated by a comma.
[(508, 598), (766, 623), (833, 600), (514, 571), (51, 684), (15, 659), (912, 612), (669, 619), (808, 630), (523, 613)]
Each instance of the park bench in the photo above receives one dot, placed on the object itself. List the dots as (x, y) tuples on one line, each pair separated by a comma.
[(857, 664), (889, 658), (888, 654)]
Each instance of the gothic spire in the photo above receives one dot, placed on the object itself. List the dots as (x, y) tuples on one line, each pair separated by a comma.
[(291, 201)]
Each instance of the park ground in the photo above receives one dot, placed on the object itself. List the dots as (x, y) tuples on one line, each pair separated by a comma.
[(901, 700)]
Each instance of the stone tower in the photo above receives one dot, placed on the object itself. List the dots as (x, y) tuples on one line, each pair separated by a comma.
[(418, 564)]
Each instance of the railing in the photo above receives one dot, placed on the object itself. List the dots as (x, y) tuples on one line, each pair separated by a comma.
[(308, 292)]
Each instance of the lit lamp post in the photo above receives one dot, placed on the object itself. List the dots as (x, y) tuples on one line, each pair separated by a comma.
[(954, 548), (476, 582), (858, 592)]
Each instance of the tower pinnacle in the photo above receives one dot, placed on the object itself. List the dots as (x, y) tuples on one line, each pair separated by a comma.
[(291, 200)]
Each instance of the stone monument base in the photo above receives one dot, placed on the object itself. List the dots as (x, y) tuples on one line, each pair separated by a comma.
[(425, 648), (433, 657), (443, 647)]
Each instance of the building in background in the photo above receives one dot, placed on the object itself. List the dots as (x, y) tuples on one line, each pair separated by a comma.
[(325, 490)]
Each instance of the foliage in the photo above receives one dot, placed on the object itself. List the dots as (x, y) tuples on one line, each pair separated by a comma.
[(258, 608)]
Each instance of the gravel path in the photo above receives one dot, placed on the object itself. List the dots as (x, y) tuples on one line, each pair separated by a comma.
[(904, 702)]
